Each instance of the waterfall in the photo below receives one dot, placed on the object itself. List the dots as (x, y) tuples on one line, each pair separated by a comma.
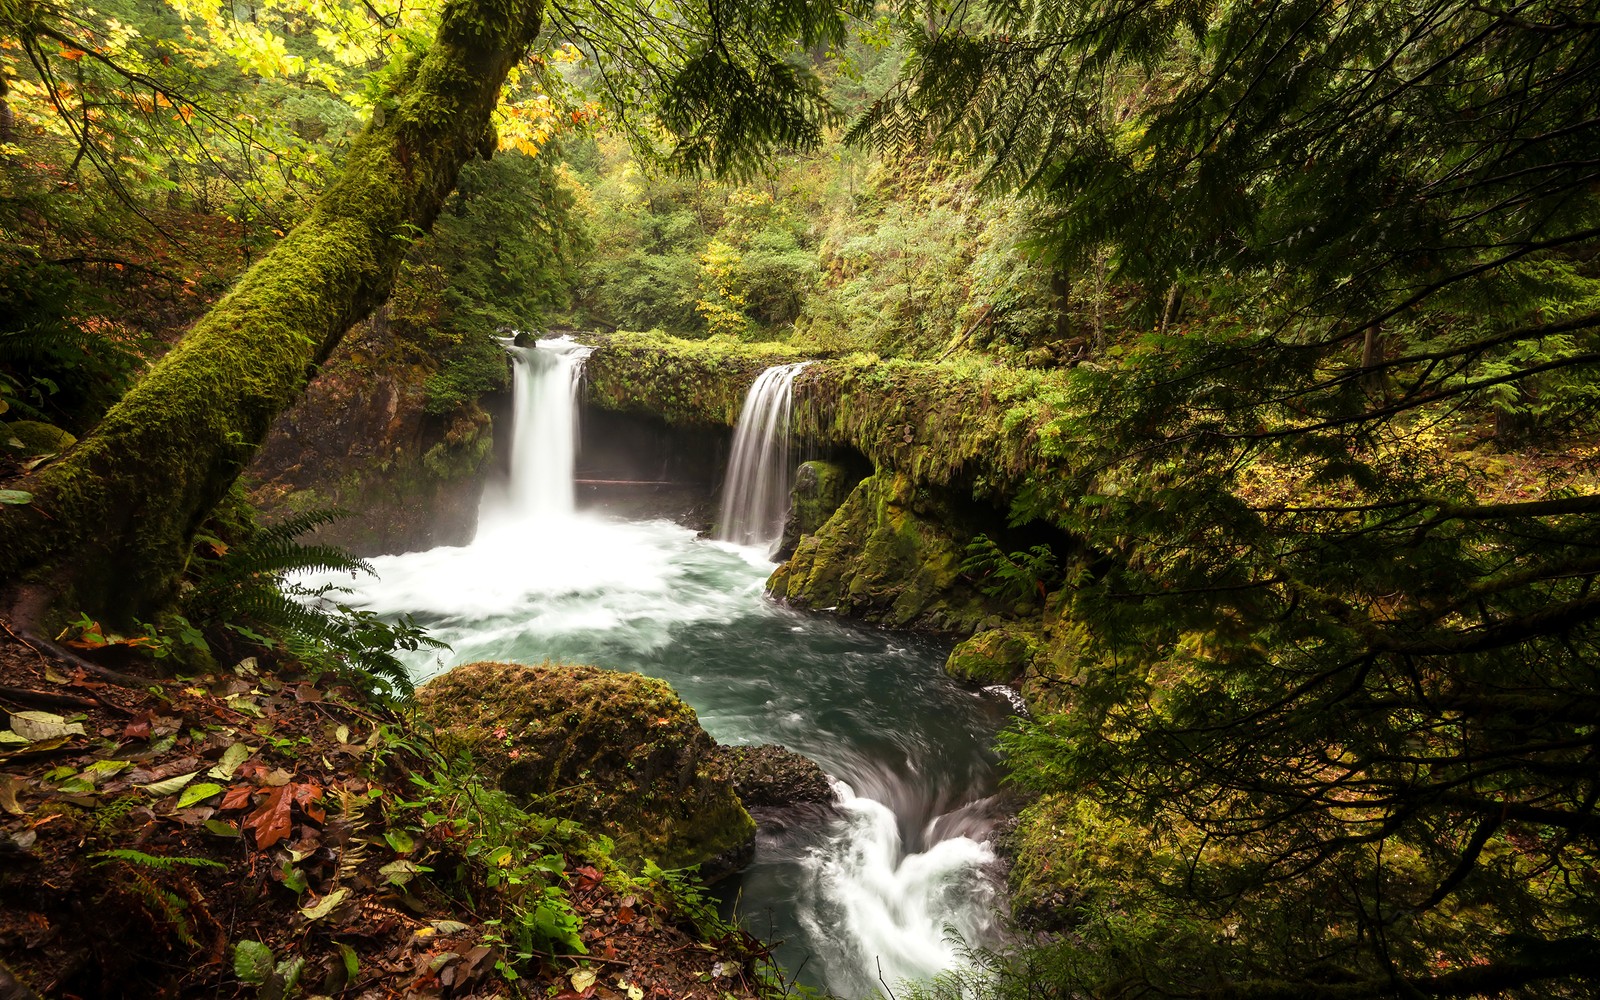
[(755, 495), (891, 883), (544, 437)]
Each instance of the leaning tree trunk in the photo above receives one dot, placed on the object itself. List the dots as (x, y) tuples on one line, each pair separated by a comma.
[(109, 527)]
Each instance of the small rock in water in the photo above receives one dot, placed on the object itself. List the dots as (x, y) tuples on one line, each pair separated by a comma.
[(770, 775)]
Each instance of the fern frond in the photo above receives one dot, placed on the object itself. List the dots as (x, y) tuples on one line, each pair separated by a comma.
[(157, 862)]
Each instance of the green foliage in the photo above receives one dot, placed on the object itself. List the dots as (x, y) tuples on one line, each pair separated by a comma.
[(51, 367), (158, 863), (514, 854), (255, 965), (251, 590), (1318, 661)]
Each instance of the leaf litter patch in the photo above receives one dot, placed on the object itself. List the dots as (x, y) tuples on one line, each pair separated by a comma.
[(240, 834)]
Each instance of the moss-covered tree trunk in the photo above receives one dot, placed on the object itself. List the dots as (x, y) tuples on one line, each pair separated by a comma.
[(109, 526)]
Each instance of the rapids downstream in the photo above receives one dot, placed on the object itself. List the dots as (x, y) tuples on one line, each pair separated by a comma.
[(895, 883)]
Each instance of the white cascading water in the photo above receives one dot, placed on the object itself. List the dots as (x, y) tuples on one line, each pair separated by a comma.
[(755, 494), (544, 433), (873, 890)]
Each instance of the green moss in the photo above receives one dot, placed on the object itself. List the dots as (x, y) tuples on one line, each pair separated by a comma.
[(820, 489), (466, 446), (618, 752), (687, 383), (1065, 855), (33, 437), (891, 554), (994, 656)]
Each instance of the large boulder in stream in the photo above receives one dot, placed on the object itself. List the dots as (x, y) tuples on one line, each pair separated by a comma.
[(891, 554), (820, 489), (617, 752)]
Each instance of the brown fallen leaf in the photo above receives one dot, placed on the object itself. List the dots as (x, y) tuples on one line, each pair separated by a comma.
[(238, 797), (306, 796), (270, 821)]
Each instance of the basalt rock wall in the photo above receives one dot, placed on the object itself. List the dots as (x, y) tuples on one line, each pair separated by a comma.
[(361, 439)]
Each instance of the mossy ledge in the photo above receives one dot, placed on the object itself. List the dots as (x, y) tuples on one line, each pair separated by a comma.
[(942, 450), (618, 752), (972, 427)]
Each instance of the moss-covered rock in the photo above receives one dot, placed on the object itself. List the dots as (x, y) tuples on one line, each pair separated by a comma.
[(820, 488), (890, 554), (34, 437), (618, 752), (771, 776), (994, 656), (687, 383)]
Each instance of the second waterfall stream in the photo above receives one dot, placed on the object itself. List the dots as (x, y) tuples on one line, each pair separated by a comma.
[(893, 885)]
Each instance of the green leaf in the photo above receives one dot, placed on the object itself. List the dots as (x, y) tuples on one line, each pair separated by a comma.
[(170, 785), (100, 770), (35, 726), (218, 828), (252, 962), (324, 906), (401, 872), (198, 793), (352, 964), (402, 842), (235, 755), (15, 497)]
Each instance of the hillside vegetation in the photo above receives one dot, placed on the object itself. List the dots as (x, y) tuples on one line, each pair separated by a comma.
[(1253, 346)]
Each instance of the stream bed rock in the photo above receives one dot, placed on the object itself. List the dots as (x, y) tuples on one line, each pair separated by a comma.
[(618, 752)]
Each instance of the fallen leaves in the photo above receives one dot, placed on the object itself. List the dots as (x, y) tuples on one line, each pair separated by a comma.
[(270, 822), (35, 726)]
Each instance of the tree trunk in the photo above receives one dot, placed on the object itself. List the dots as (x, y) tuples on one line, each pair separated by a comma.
[(109, 527), (1375, 380), (1174, 306)]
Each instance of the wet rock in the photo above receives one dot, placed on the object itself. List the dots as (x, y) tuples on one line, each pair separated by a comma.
[(617, 752), (820, 488), (892, 554), (994, 656), (768, 775), (362, 439)]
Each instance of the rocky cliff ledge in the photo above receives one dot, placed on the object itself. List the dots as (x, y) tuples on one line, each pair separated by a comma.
[(925, 462)]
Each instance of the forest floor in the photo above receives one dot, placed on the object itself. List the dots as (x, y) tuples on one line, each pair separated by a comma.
[(240, 834)]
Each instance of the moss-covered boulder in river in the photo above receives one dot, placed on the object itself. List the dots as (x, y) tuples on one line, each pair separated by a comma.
[(820, 488), (618, 752), (994, 656), (891, 554)]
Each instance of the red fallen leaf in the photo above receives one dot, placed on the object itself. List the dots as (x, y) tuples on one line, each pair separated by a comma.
[(270, 821), (139, 729), (307, 795), (587, 877), (81, 680), (238, 797)]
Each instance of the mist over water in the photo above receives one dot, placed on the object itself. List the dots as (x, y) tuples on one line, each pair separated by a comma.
[(877, 883)]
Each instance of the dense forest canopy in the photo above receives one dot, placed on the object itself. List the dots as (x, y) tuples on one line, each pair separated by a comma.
[(1320, 272)]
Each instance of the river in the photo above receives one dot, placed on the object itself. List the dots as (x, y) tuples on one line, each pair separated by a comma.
[(890, 886)]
